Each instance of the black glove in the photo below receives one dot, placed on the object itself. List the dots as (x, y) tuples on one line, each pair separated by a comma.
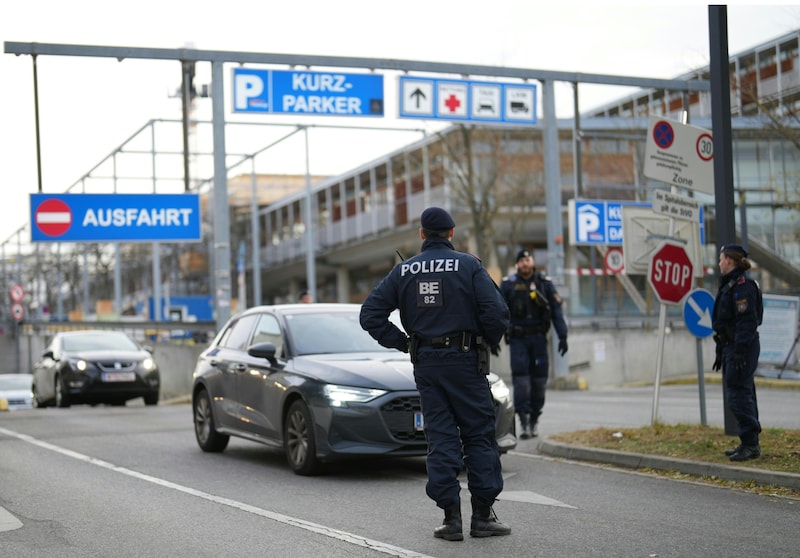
[(739, 362), (718, 360), (495, 350), (562, 346)]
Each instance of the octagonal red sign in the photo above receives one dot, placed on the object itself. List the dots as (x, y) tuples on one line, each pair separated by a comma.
[(670, 272)]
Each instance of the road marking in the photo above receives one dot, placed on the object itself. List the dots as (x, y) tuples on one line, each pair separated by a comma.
[(343, 536), (7, 521)]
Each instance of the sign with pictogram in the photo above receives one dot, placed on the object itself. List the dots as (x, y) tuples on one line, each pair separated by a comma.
[(302, 92), (17, 293), (679, 154), (17, 311), (697, 310), (476, 101), (115, 217), (614, 260), (53, 217), (670, 273)]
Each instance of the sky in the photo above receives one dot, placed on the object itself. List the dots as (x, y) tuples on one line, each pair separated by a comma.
[(90, 106)]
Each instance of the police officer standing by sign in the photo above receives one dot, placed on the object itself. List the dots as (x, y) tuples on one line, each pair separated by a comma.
[(738, 311), (534, 304), (455, 315)]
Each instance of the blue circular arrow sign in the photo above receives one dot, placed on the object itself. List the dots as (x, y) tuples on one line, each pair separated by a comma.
[(697, 310)]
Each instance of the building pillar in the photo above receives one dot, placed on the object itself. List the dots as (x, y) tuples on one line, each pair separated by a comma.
[(342, 284)]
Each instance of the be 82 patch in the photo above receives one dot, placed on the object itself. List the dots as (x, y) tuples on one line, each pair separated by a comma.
[(429, 293)]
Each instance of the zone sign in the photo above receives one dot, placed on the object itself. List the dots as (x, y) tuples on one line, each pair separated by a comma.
[(670, 273)]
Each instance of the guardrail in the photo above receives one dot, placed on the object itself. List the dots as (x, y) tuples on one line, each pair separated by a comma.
[(142, 331)]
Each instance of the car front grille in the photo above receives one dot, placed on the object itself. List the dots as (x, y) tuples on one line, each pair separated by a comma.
[(399, 417), (116, 365)]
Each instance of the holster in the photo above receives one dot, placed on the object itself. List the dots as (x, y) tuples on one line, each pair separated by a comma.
[(413, 345), (483, 356)]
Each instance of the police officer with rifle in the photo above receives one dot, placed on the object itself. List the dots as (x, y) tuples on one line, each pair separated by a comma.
[(534, 303), (455, 315)]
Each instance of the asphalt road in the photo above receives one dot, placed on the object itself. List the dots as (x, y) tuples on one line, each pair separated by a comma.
[(131, 481)]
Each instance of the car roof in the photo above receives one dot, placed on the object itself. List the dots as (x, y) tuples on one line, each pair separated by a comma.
[(296, 308)]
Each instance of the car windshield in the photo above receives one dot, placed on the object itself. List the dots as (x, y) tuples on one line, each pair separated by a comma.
[(331, 332), (98, 342), (15, 381)]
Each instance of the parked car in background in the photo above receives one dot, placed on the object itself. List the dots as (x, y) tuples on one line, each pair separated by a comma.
[(307, 379), (95, 366), (16, 391)]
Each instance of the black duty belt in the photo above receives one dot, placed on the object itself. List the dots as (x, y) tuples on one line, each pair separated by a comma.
[(457, 340)]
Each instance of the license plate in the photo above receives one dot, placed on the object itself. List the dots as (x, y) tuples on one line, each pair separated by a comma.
[(419, 422), (119, 376)]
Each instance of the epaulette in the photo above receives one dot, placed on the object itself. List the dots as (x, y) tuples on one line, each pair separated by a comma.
[(545, 277), (742, 280)]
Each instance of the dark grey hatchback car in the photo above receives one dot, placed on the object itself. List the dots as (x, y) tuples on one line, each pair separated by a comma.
[(305, 378)]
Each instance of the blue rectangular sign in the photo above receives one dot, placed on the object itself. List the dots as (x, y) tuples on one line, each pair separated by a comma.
[(599, 222), (115, 218), (304, 92), (467, 100)]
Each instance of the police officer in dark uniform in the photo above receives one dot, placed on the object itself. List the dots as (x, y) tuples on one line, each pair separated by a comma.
[(455, 315), (738, 311), (534, 303)]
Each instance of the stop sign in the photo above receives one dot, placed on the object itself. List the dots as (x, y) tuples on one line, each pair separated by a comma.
[(670, 273)]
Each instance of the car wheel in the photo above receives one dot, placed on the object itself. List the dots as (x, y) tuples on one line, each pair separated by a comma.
[(62, 398), (207, 436), (298, 440), (37, 402), (151, 398)]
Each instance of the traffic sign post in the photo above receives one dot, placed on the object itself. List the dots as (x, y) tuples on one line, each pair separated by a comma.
[(670, 276), (697, 310)]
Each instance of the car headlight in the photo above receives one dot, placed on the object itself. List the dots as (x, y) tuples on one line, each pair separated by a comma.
[(340, 396), (149, 364), (500, 390), (78, 364)]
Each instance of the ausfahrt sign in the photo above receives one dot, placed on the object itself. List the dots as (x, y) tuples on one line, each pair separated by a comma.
[(670, 273)]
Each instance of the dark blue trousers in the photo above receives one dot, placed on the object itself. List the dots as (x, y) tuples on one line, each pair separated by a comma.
[(740, 389), (529, 371), (459, 417)]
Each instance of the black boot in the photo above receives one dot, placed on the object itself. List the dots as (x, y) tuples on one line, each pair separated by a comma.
[(525, 423), (485, 523), (450, 529)]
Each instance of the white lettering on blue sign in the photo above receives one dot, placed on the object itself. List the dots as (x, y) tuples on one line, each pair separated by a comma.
[(321, 105), (336, 83), (247, 87), (119, 217), (588, 222), (429, 266)]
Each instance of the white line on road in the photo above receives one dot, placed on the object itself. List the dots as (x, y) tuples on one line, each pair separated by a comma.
[(344, 536)]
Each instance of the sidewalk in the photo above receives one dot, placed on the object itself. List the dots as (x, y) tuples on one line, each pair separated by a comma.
[(630, 407)]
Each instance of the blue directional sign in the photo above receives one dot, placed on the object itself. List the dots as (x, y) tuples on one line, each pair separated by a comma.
[(467, 100), (599, 222), (697, 310), (303, 92), (115, 217)]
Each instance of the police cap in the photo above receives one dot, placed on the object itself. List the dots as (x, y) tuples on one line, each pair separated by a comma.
[(523, 254), (733, 249), (436, 219)]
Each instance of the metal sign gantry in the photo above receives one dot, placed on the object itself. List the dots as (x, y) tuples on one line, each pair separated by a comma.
[(217, 58)]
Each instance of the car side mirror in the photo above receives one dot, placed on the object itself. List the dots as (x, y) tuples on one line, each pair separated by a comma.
[(48, 354), (148, 348), (264, 350)]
